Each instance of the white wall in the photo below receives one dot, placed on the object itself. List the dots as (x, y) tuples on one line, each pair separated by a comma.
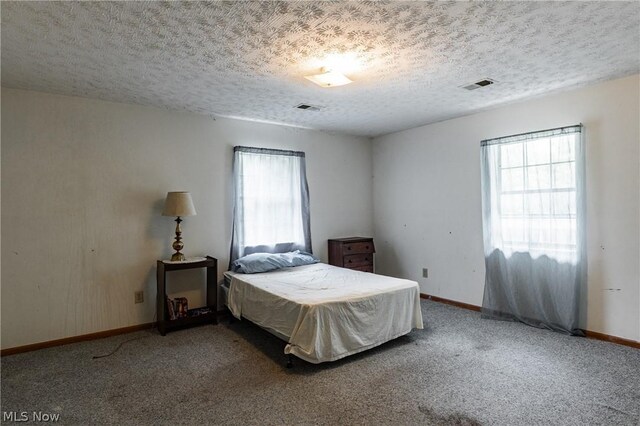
[(83, 183), (427, 205)]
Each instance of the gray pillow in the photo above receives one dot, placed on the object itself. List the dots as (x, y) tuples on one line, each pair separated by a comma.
[(265, 262)]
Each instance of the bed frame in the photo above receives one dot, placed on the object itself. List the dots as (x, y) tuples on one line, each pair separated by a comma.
[(232, 319)]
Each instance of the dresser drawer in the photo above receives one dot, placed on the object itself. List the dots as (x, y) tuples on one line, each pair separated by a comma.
[(364, 268), (356, 260), (354, 248)]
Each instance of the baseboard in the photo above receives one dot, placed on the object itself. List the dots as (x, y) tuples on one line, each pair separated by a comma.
[(82, 338), (75, 339), (612, 339), (588, 334), (450, 302)]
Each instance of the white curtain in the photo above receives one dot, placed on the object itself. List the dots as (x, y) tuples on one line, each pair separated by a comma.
[(534, 227), (271, 212)]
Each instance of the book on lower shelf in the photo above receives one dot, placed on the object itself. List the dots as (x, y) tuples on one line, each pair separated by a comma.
[(170, 309), (179, 308), (199, 311)]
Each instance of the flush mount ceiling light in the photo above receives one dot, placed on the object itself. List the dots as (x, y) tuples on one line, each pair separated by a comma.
[(329, 78)]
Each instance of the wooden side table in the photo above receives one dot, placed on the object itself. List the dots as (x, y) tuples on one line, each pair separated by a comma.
[(164, 322)]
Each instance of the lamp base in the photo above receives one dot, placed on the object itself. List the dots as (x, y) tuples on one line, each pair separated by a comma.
[(178, 244), (178, 257)]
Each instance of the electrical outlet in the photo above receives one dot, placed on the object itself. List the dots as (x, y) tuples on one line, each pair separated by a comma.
[(425, 273), (139, 296)]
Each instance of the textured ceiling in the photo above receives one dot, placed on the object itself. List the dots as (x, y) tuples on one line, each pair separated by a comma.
[(247, 59)]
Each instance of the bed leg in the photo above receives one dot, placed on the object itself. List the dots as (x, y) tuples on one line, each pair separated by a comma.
[(289, 361)]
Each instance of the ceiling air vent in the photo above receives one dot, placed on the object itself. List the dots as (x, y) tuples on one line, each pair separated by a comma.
[(479, 84), (308, 107)]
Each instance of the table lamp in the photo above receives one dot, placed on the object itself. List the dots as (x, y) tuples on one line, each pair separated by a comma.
[(178, 204)]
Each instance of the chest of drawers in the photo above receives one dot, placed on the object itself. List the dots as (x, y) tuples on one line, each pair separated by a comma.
[(353, 253)]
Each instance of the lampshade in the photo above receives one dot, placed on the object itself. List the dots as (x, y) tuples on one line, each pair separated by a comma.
[(179, 204)]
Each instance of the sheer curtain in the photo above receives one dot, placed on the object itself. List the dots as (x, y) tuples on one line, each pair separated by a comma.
[(533, 201), (271, 195)]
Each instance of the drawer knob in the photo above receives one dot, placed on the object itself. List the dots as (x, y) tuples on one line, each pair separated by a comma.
[(350, 260)]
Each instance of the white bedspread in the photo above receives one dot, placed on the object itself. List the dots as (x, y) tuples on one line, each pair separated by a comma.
[(325, 312)]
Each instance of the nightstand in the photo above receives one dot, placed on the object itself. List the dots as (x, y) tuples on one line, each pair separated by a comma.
[(194, 316), (353, 253)]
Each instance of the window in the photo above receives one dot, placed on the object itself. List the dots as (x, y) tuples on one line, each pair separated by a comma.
[(271, 201), (533, 193)]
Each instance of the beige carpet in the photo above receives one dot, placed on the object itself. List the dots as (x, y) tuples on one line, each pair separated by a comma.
[(460, 370)]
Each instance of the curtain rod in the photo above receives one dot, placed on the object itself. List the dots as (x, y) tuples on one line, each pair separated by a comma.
[(268, 151), (559, 130)]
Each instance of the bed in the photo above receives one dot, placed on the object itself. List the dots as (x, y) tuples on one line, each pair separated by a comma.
[(324, 312)]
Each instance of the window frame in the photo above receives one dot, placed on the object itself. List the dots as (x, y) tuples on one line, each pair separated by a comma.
[(552, 245)]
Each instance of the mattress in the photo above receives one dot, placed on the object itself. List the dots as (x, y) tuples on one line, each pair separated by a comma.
[(325, 312)]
